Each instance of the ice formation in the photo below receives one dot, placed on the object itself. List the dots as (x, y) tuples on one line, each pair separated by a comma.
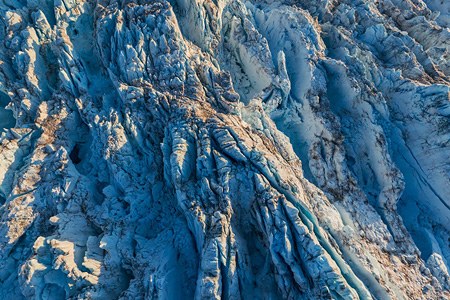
[(224, 149)]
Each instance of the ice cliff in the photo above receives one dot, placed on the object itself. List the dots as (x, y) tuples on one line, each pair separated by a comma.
[(224, 149)]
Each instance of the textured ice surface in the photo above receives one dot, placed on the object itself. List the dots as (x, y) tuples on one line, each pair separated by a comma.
[(224, 149)]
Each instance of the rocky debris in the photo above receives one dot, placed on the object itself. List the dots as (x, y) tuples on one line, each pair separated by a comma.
[(224, 149)]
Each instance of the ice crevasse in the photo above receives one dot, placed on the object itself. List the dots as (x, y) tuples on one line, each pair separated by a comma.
[(224, 149)]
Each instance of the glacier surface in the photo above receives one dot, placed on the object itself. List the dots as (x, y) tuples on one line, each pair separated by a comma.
[(224, 149)]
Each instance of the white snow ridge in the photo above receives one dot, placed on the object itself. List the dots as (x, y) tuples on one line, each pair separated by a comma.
[(224, 149)]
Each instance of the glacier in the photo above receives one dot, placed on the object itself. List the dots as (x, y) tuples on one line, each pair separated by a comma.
[(224, 149)]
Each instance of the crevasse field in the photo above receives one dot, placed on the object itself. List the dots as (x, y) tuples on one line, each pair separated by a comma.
[(224, 149)]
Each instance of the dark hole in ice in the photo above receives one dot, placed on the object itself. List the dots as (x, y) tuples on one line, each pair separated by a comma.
[(75, 154), (7, 119), (75, 31)]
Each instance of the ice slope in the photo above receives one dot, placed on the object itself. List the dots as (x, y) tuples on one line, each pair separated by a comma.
[(224, 149), (6, 116)]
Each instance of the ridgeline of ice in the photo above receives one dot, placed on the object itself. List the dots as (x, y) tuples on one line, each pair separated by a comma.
[(224, 149)]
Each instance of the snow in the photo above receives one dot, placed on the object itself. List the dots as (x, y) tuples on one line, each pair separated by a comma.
[(199, 149)]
